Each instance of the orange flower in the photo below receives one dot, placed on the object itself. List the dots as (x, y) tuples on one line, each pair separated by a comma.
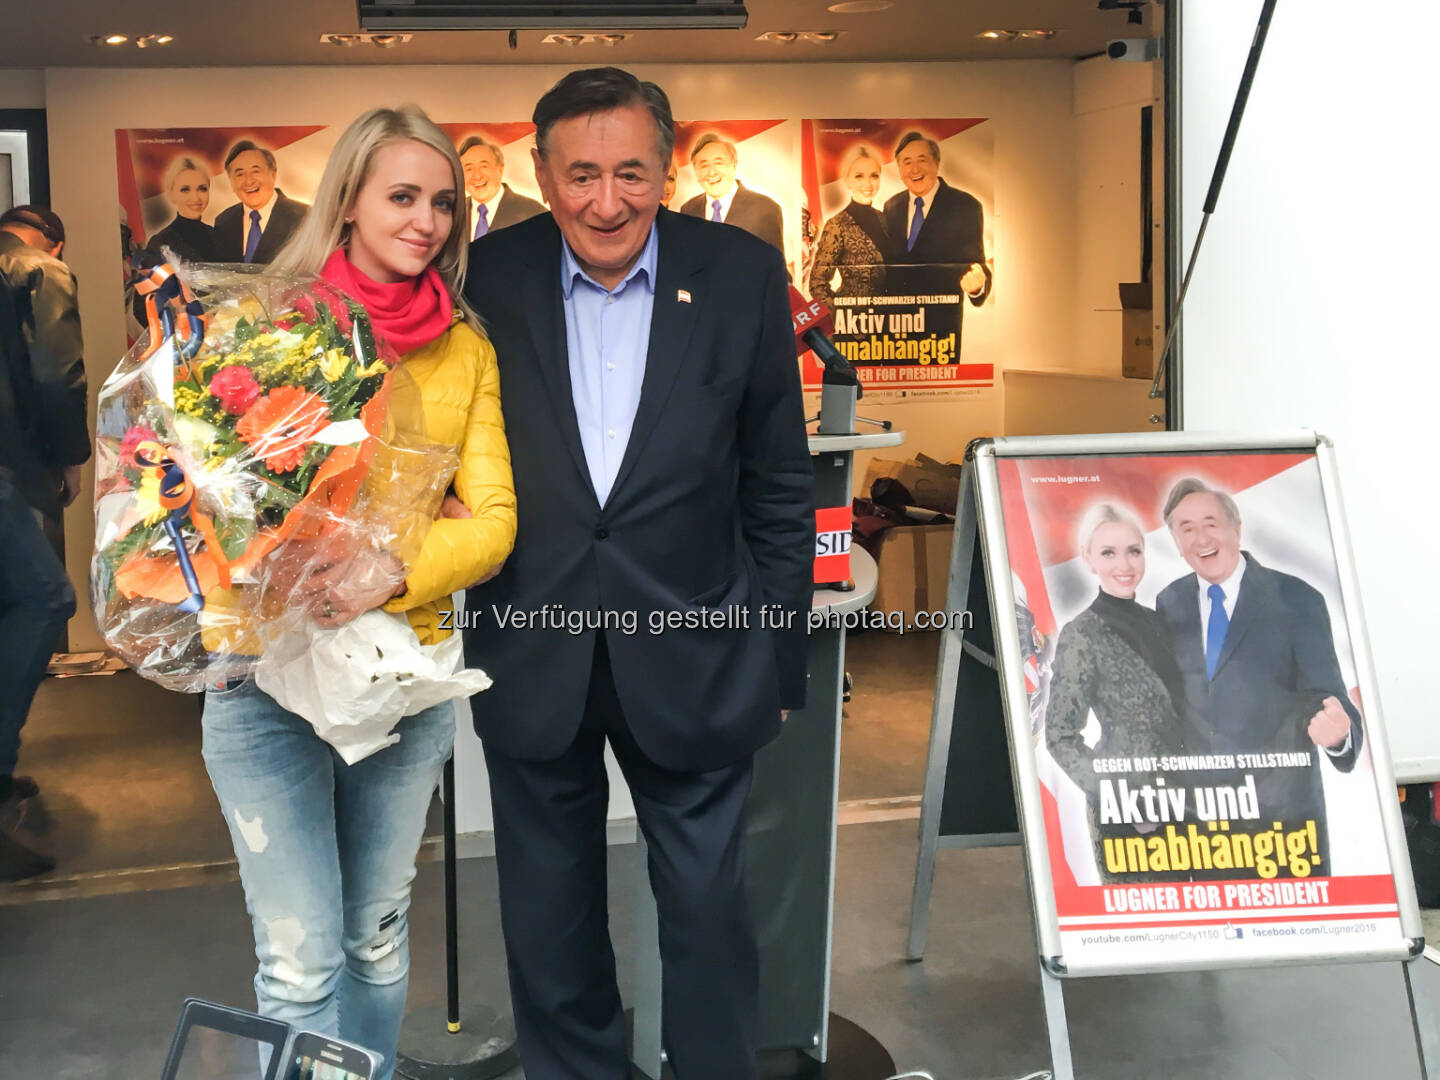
[(281, 425)]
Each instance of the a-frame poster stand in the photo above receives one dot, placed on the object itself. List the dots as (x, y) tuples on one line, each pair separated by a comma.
[(1255, 823)]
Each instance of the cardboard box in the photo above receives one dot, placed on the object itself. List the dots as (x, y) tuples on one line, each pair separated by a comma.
[(913, 563), (1137, 325)]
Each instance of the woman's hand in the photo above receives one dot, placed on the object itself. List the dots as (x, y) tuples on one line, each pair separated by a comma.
[(337, 592)]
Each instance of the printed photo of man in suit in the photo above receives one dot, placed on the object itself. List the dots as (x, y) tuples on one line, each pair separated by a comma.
[(726, 199), (493, 205), (936, 232), (256, 228), (653, 409), (1257, 660)]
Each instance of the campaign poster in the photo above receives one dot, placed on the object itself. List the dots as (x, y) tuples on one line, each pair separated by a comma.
[(744, 173), (1205, 773), (911, 284), (500, 187)]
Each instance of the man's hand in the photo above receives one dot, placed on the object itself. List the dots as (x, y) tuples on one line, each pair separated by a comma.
[(972, 282), (1330, 727), (784, 715), (452, 507), (71, 485)]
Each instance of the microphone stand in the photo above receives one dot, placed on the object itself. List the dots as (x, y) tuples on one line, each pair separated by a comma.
[(1217, 178), (484, 1049)]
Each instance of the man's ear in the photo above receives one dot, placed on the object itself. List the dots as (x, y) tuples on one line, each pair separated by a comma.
[(55, 251), (542, 175)]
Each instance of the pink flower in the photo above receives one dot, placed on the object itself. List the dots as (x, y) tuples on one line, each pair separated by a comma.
[(236, 388), (133, 438)]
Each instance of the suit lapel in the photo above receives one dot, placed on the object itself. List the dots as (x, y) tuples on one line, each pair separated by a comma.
[(672, 321), (1248, 605), (545, 304)]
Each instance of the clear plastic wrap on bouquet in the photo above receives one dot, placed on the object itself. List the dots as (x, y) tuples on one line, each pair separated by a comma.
[(259, 459)]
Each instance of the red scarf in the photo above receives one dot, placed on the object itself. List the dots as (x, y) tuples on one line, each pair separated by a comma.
[(407, 314)]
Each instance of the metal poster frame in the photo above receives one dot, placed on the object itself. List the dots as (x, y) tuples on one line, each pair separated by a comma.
[(980, 518)]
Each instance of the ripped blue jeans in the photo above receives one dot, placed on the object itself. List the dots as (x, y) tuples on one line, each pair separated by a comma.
[(327, 855)]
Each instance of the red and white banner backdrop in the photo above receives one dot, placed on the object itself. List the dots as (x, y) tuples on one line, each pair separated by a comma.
[(1190, 813)]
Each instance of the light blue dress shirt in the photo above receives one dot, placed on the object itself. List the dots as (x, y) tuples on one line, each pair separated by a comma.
[(607, 333)]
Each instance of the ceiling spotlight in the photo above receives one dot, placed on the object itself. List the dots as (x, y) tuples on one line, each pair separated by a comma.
[(163, 39), (611, 39), (345, 41), (1038, 35), (385, 41), (107, 39), (820, 37), (783, 37), (150, 41), (860, 7), (998, 35)]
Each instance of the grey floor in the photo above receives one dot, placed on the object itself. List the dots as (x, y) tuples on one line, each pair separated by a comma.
[(90, 985)]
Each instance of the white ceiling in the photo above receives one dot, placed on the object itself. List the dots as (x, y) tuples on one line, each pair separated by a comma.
[(227, 33)]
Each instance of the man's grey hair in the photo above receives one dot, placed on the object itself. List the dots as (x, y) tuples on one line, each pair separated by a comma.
[(1192, 485), (596, 90), (915, 136), (708, 139), (475, 140)]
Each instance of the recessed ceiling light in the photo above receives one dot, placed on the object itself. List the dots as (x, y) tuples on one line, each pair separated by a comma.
[(860, 7), (782, 37), (1039, 35), (345, 41), (997, 35), (151, 41), (820, 37), (611, 39), (107, 39)]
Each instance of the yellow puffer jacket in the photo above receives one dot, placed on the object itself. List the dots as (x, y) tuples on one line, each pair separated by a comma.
[(460, 396)]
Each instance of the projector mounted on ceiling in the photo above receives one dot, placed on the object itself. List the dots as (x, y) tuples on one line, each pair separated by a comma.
[(392, 15)]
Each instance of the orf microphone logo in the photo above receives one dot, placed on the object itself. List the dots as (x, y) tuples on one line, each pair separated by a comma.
[(832, 545)]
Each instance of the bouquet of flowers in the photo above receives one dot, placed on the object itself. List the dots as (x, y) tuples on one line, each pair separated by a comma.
[(256, 435)]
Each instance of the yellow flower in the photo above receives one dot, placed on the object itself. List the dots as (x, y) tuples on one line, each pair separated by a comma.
[(147, 497), (379, 367), (334, 364), (190, 400)]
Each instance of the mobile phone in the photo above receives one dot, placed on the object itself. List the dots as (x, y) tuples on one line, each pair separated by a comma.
[(215, 1042), (316, 1057)]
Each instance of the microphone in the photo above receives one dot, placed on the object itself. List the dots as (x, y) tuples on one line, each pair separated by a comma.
[(813, 324)]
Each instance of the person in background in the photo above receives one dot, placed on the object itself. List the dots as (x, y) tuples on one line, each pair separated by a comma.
[(258, 226), (327, 850), (492, 204), (853, 241), (658, 435), (187, 187), (1114, 661), (936, 232), (44, 439), (726, 199)]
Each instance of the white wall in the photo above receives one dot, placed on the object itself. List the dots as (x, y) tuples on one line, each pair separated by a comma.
[(1312, 301)]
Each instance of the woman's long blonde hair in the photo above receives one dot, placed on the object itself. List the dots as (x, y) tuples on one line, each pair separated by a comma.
[(324, 228)]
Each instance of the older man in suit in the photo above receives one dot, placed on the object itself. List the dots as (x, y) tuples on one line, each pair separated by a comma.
[(726, 199), (658, 591), (1257, 660), (936, 232), (493, 205), (257, 227)]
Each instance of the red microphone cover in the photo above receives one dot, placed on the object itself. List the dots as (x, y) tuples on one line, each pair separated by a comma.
[(807, 315)]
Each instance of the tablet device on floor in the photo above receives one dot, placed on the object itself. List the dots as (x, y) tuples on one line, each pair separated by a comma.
[(215, 1042)]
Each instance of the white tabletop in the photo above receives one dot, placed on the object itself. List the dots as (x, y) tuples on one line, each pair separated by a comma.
[(863, 573), (822, 443)]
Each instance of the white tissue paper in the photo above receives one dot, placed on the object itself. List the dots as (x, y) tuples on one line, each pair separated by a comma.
[(356, 682)]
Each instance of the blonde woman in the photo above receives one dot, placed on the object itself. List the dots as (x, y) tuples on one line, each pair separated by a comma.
[(187, 188), (1114, 660), (327, 850), (853, 240)]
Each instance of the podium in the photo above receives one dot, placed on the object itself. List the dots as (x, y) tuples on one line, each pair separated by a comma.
[(790, 847)]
